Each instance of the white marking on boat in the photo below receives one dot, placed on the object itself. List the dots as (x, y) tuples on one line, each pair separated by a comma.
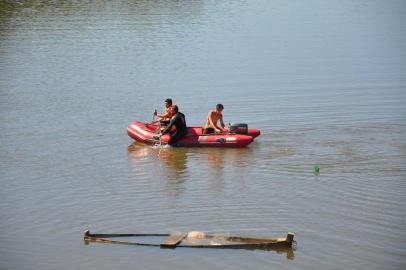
[(141, 130)]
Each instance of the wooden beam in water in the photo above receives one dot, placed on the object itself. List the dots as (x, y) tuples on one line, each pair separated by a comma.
[(173, 240), (289, 237)]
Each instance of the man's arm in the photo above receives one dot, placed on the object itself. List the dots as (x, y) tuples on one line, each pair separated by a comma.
[(163, 115), (170, 125), (167, 114), (221, 121)]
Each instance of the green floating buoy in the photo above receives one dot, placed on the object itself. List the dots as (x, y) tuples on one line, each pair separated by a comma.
[(316, 170)]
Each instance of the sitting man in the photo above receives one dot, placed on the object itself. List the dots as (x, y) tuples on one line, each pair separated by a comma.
[(212, 118), (179, 122), (165, 118)]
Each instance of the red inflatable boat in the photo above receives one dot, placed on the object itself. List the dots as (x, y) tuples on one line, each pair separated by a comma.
[(147, 133)]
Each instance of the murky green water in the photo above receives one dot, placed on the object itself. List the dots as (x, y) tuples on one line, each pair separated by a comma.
[(324, 81)]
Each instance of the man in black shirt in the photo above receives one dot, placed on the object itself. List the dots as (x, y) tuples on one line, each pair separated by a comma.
[(179, 122)]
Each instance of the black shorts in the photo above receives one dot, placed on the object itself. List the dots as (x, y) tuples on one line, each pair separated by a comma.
[(208, 131)]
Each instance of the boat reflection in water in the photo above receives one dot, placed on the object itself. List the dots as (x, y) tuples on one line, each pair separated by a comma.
[(171, 160), (209, 166), (159, 163)]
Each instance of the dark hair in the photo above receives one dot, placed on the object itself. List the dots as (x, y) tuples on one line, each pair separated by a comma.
[(168, 100), (175, 109), (219, 106)]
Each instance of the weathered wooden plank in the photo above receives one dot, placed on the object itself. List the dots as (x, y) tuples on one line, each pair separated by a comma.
[(174, 239), (200, 240), (289, 237)]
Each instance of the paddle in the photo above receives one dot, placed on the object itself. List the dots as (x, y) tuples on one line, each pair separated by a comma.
[(153, 117), (153, 121)]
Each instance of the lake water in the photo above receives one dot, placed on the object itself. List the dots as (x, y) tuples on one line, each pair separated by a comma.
[(323, 80)]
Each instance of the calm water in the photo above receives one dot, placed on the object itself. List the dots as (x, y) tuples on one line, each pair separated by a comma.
[(323, 80)]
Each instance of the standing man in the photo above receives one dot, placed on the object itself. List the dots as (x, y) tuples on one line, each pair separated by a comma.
[(179, 122), (212, 118), (165, 118)]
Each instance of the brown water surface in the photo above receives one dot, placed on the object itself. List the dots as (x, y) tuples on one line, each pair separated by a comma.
[(323, 80)]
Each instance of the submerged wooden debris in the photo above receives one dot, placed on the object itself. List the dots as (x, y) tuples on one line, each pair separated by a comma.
[(195, 240)]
